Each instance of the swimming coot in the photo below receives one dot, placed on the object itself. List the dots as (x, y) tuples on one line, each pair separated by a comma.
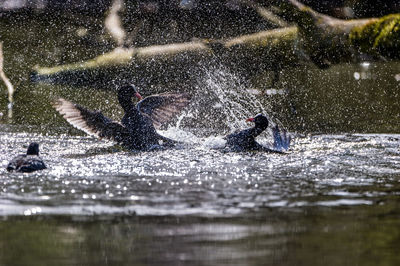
[(245, 140), (137, 130), (28, 162)]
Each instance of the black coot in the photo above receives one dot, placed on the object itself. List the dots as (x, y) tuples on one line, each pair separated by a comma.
[(137, 130), (245, 140), (28, 162)]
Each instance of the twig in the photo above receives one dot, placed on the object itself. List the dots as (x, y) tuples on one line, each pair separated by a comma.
[(265, 13), (113, 22), (6, 81)]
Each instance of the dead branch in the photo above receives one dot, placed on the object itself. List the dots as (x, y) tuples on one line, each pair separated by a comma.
[(7, 82)]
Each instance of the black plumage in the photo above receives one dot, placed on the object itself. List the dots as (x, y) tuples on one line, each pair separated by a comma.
[(137, 130), (245, 140), (28, 162)]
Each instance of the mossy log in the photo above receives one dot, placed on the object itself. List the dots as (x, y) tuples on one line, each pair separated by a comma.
[(322, 39), (380, 37)]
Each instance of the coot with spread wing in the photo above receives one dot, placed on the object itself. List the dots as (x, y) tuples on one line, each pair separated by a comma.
[(137, 129)]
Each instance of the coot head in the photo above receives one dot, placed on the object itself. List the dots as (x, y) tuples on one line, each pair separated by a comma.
[(33, 149), (129, 90), (260, 121)]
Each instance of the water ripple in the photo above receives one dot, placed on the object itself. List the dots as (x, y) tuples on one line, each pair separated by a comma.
[(90, 177)]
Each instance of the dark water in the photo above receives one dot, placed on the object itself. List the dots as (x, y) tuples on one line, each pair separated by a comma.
[(332, 200)]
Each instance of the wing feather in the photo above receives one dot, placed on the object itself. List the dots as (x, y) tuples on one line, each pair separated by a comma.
[(91, 122), (162, 108)]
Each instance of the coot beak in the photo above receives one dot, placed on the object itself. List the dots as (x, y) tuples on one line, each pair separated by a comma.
[(137, 95), (251, 119)]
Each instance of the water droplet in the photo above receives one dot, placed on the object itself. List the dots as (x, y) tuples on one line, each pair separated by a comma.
[(133, 197)]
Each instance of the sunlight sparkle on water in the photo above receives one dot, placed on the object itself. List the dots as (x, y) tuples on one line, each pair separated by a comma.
[(197, 179)]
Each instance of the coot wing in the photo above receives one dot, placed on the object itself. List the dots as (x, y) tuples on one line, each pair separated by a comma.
[(162, 108), (15, 162), (31, 164), (281, 139), (92, 122)]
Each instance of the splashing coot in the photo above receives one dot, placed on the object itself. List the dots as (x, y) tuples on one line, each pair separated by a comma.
[(28, 162), (245, 140), (137, 130)]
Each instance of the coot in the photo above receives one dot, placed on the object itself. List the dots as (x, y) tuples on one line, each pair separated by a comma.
[(137, 130), (28, 162), (245, 140)]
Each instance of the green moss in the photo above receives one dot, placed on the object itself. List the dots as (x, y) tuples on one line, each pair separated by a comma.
[(379, 37)]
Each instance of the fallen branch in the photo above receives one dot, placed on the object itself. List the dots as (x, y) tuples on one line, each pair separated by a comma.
[(378, 37), (7, 82), (176, 62), (113, 23), (326, 40), (265, 13), (319, 38)]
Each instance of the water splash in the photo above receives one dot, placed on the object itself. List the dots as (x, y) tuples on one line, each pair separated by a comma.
[(230, 96), (222, 103)]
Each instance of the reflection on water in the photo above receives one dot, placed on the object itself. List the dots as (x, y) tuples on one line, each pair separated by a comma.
[(364, 235)]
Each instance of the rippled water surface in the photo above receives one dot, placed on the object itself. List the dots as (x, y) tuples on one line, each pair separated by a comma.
[(86, 176), (198, 204)]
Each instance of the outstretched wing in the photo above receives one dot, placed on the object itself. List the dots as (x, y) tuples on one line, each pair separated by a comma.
[(92, 122), (162, 108)]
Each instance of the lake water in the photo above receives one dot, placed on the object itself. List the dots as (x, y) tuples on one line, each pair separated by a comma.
[(332, 200), (333, 197)]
